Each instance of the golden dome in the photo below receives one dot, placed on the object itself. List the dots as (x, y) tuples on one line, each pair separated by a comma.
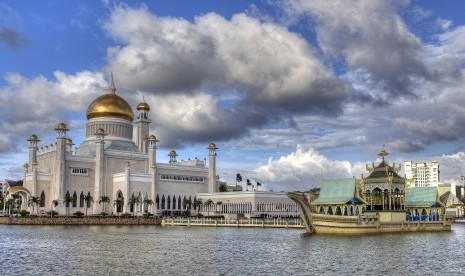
[(69, 141), (212, 146), (61, 126), (33, 138), (152, 138), (143, 106), (110, 106), (172, 153)]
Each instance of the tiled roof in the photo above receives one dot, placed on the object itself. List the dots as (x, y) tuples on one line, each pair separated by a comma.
[(422, 197), (337, 191)]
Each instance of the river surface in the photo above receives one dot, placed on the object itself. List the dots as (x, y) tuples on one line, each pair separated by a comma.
[(150, 250)]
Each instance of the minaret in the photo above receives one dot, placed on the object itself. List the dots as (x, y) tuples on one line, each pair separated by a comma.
[(172, 156), (57, 189), (152, 144), (212, 168), (99, 168), (142, 123), (33, 141)]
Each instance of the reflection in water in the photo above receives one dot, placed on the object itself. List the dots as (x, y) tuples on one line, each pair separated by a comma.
[(145, 250)]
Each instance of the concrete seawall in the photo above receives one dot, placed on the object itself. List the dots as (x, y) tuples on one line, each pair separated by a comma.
[(79, 221)]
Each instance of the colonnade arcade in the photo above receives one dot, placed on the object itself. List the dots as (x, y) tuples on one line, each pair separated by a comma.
[(424, 214), (379, 199), (341, 210)]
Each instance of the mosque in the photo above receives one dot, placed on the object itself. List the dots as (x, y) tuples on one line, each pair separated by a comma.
[(118, 160)]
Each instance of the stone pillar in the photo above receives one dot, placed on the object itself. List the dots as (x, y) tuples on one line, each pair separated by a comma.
[(99, 184), (59, 180), (212, 168), (152, 162), (127, 172), (35, 170)]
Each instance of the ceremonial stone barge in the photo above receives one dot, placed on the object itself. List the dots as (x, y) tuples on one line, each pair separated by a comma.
[(379, 203)]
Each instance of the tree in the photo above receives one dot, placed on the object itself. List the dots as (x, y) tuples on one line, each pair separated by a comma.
[(148, 202), (118, 202), (67, 200), (186, 203), (248, 184), (54, 205), (208, 203), (103, 200), (133, 200), (223, 188), (88, 199), (33, 201), (197, 203), (238, 178), (258, 185)]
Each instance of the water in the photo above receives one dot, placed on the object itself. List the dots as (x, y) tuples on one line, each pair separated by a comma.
[(150, 250)]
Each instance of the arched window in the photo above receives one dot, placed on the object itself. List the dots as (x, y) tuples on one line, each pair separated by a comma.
[(163, 202), (119, 202), (169, 203), (157, 202), (179, 203), (81, 200), (67, 196), (174, 202), (42, 199)]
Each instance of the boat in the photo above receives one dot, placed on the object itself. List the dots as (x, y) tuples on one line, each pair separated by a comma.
[(379, 203)]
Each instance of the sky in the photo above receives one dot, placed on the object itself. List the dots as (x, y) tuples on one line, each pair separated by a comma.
[(292, 92)]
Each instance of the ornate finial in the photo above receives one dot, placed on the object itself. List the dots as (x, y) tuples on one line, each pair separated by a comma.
[(383, 153), (111, 88)]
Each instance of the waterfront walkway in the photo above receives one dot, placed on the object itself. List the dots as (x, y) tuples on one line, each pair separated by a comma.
[(293, 223)]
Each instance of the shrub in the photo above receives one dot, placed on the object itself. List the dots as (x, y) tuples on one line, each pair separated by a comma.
[(78, 214), (52, 213), (126, 215), (148, 215), (23, 213), (103, 214)]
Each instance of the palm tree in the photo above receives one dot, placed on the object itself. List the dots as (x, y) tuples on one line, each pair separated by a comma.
[(133, 200), (148, 202), (238, 178), (67, 200), (103, 200), (118, 202), (197, 203), (208, 203), (33, 201), (186, 203), (248, 184), (258, 185), (88, 199)]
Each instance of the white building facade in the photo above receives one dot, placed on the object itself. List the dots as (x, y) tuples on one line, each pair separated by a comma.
[(117, 159), (422, 174), (248, 204)]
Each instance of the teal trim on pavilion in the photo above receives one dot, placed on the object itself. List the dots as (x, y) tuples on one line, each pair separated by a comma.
[(423, 197), (337, 191)]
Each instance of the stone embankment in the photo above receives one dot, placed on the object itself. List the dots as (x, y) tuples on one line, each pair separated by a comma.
[(79, 221)]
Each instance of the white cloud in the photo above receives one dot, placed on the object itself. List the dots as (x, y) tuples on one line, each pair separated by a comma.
[(269, 65), (301, 170), (36, 105)]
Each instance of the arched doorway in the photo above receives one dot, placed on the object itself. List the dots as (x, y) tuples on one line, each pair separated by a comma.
[(119, 202)]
